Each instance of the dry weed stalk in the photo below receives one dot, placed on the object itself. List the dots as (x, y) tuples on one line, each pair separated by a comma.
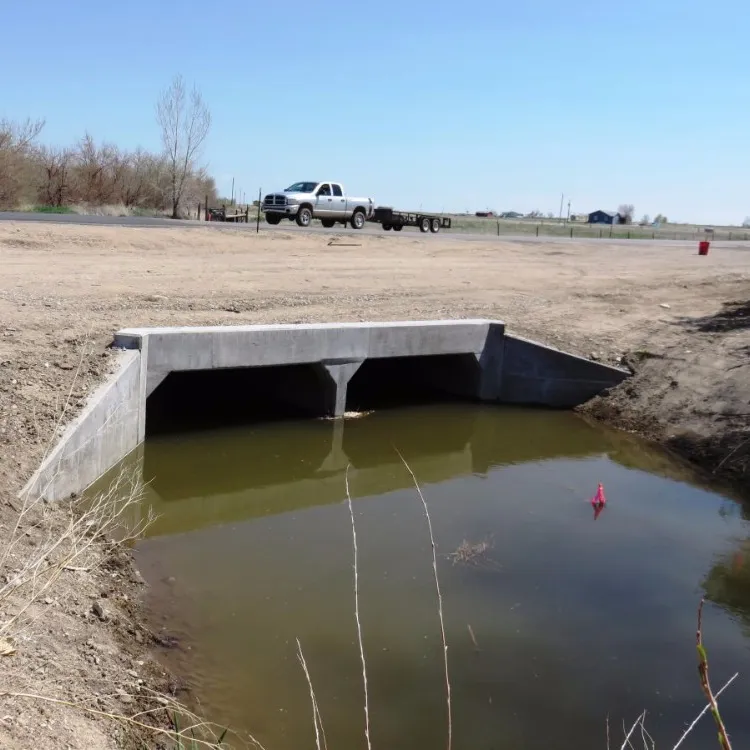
[(356, 613), (317, 718), (439, 599), (712, 705), (706, 708)]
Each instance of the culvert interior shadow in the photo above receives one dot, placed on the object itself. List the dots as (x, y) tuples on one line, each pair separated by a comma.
[(411, 381), (209, 399)]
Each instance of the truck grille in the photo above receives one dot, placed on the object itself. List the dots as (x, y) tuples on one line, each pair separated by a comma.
[(274, 200)]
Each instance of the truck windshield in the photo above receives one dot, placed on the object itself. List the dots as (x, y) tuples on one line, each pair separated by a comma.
[(301, 187)]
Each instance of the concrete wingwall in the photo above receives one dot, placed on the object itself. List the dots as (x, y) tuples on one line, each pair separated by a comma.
[(507, 369), (533, 373), (105, 431)]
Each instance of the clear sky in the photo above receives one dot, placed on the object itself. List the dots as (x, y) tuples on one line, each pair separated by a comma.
[(444, 105)]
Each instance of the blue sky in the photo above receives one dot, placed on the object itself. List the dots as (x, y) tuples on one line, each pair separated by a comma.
[(447, 106)]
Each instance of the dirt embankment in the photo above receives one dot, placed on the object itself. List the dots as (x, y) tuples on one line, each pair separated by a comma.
[(681, 320), (693, 394)]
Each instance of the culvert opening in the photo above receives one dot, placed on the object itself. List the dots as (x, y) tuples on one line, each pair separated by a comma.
[(405, 381), (207, 399)]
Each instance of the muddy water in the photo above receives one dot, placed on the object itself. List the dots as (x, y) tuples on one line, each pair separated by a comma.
[(555, 620)]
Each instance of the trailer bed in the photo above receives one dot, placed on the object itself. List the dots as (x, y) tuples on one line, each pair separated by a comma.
[(397, 220)]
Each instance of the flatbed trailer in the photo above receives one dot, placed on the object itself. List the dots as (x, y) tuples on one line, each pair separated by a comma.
[(397, 220)]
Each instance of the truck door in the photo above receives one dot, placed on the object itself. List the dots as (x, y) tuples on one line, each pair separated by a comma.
[(323, 201), (339, 202)]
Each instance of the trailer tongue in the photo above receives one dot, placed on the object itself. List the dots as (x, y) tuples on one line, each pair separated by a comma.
[(397, 220)]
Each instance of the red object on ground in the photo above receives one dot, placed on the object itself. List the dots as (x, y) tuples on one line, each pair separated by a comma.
[(599, 500), (703, 246)]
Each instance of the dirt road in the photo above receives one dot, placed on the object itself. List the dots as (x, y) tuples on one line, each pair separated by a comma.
[(681, 320)]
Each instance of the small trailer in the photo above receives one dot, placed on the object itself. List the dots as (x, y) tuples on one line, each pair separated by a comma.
[(397, 220)]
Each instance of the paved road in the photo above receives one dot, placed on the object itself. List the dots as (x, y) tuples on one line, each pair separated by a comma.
[(287, 226), (146, 221)]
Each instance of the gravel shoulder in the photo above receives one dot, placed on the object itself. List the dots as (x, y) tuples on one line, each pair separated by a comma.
[(681, 321)]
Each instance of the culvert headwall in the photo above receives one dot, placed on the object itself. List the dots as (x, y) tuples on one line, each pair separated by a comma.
[(471, 359)]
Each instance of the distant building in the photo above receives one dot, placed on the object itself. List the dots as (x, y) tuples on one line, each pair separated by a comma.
[(511, 215), (605, 217)]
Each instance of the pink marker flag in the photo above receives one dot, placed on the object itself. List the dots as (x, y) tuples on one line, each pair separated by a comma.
[(599, 500)]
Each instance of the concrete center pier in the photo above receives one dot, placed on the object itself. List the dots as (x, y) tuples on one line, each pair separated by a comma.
[(318, 367)]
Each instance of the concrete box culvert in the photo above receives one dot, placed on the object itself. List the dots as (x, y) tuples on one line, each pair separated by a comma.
[(508, 369)]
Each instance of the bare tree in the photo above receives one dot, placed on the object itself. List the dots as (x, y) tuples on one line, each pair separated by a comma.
[(645, 220), (627, 211), (18, 137), (16, 146), (185, 121), (55, 185), (661, 219), (746, 223)]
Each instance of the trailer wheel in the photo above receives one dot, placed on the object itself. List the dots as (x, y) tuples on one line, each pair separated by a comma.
[(398, 227), (387, 227), (435, 226), (424, 224), (358, 219), (273, 219)]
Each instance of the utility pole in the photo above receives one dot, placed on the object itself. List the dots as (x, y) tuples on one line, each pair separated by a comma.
[(568, 219), (562, 198), (232, 190)]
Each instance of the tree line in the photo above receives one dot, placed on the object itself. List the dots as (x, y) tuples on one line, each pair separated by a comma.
[(92, 173)]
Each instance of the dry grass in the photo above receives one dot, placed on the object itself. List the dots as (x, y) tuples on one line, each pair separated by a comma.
[(29, 572), (94, 529), (166, 718)]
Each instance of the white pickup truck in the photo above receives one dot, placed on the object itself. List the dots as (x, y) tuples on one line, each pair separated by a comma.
[(327, 201)]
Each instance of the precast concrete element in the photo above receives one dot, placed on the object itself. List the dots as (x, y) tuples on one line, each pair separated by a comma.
[(474, 359), (532, 373), (105, 431), (222, 347)]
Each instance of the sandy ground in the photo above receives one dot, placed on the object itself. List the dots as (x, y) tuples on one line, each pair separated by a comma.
[(680, 320)]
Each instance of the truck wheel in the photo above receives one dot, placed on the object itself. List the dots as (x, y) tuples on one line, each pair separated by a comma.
[(273, 219), (435, 226), (398, 227), (424, 224), (387, 227), (328, 223), (304, 217), (358, 219)]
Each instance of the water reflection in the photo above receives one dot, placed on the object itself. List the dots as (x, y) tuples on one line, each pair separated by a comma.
[(227, 475), (728, 583)]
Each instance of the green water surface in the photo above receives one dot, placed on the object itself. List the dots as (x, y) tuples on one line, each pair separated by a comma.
[(555, 622)]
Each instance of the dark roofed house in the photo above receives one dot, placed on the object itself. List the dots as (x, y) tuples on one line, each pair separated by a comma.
[(605, 217)]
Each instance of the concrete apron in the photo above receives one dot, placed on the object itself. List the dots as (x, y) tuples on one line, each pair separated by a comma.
[(510, 370)]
